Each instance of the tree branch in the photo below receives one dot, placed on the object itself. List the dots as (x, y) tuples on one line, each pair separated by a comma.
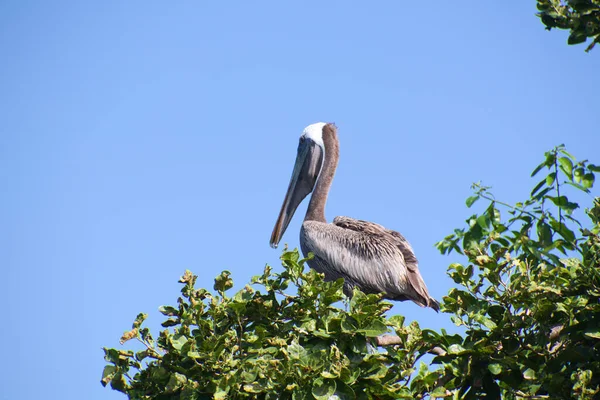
[(390, 340), (555, 332)]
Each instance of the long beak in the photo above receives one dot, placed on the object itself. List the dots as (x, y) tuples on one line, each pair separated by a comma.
[(306, 171)]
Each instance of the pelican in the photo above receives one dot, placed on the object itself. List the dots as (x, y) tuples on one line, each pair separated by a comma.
[(367, 255)]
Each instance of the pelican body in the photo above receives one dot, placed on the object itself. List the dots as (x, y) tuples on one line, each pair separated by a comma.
[(367, 255)]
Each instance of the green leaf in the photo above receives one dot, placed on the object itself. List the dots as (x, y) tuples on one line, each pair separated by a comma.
[(343, 391), (564, 203), (558, 201), (483, 221), (176, 381), (357, 300), (529, 374), (296, 351), (375, 329), (550, 178), (349, 324), (533, 388), (119, 383), (194, 354), (223, 282), (456, 349), (539, 167), (578, 174), (543, 192), (578, 186), (593, 334), (140, 355), (469, 202), (170, 322), (292, 256), (495, 369), (323, 389), (141, 317), (567, 166), (538, 187), (189, 393), (376, 373), (577, 37), (253, 388), (438, 392), (168, 311), (562, 230), (178, 341), (397, 321), (220, 394), (107, 374), (588, 180), (565, 152), (544, 233), (485, 321)]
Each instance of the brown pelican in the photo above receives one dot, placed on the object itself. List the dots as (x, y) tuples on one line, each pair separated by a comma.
[(367, 255)]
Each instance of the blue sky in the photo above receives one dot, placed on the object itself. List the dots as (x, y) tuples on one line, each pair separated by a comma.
[(139, 139)]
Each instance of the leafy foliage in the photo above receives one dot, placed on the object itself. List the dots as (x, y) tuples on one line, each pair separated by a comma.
[(264, 342), (580, 17), (528, 298), (530, 294)]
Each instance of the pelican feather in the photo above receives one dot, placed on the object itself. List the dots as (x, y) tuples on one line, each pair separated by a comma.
[(368, 256)]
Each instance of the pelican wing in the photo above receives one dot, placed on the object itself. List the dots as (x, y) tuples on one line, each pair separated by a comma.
[(408, 259)]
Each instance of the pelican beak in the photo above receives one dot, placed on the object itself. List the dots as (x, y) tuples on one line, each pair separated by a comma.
[(306, 171)]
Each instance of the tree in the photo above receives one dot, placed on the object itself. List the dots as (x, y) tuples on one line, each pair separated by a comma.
[(580, 17), (530, 292), (528, 297)]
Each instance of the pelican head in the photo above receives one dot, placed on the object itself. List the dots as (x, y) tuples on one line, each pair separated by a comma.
[(306, 171)]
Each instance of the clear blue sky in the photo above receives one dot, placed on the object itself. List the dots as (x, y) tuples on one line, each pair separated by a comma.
[(142, 138)]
